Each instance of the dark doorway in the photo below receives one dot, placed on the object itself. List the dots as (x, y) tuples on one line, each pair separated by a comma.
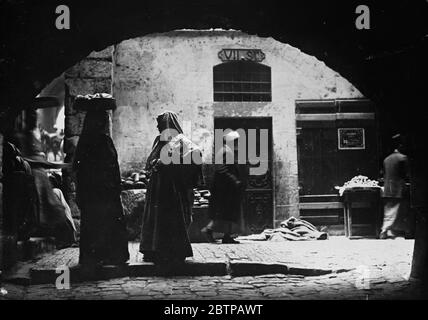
[(317, 158), (336, 140), (257, 210)]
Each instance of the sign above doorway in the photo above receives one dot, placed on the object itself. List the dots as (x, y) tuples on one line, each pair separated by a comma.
[(255, 55)]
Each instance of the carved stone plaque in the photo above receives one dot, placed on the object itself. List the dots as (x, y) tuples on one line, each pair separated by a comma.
[(255, 55)]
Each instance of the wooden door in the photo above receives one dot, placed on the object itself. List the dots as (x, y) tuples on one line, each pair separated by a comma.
[(317, 159)]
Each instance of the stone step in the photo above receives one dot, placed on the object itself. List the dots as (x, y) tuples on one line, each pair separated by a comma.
[(19, 274), (190, 268), (143, 269), (250, 268), (15, 251), (24, 253)]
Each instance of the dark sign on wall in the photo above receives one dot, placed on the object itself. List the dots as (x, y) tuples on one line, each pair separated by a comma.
[(351, 138), (255, 55)]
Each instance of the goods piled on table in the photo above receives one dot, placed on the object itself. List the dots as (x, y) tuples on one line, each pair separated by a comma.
[(358, 182), (135, 180), (139, 180), (202, 197), (134, 185)]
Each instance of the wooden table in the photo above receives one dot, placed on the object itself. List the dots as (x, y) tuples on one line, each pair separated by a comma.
[(361, 198)]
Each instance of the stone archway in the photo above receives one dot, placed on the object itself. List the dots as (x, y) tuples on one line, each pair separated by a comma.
[(37, 52), (175, 71)]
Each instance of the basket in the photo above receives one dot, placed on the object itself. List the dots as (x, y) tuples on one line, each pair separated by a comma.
[(94, 102)]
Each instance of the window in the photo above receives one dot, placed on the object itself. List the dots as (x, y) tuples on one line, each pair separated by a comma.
[(242, 81)]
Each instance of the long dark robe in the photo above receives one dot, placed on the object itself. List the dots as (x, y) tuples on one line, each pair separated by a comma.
[(103, 236), (225, 203), (169, 201), (395, 193), (52, 215)]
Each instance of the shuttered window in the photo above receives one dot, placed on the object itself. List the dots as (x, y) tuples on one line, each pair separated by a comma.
[(242, 81)]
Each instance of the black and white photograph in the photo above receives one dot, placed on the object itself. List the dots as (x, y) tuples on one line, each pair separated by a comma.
[(213, 155)]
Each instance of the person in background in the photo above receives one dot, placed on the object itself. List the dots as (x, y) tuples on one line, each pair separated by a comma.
[(169, 197), (396, 174), (55, 144), (52, 219), (45, 139), (226, 193), (103, 237), (19, 195)]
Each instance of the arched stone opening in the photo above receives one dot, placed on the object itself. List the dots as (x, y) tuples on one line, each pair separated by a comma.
[(371, 75), (180, 71)]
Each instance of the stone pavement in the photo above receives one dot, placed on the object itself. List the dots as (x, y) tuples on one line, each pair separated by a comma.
[(345, 285), (359, 269), (335, 254)]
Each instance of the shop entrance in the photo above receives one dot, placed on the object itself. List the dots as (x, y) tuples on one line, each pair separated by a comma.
[(257, 209), (336, 140)]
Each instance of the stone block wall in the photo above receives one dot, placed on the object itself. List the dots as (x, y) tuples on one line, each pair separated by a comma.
[(91, 75)]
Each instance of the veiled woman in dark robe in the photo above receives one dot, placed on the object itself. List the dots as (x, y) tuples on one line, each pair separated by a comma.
[(226, 194), (169, 197), (103, 237)]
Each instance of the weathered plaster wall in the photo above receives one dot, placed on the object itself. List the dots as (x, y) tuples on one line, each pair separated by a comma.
[(174, 71)]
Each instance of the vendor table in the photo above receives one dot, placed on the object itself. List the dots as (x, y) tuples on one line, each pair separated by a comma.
[(361, 198)]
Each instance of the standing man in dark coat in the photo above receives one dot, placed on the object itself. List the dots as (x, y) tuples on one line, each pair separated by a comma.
[(226, 194), (395, 176)]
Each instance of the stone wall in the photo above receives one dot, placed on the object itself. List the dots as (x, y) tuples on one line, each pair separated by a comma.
[(89, 76), (174, 71)]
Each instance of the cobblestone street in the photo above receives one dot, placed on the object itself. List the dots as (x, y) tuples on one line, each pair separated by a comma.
[(360, 269)]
